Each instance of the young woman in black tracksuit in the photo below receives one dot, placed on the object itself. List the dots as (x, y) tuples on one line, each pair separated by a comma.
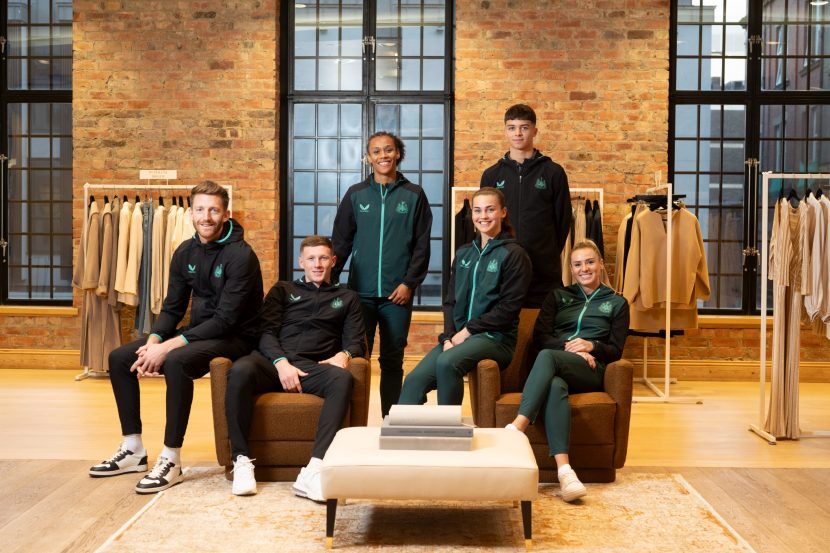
[(488, 282)]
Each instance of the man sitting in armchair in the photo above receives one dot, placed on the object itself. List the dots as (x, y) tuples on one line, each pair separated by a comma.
[(310, 330)]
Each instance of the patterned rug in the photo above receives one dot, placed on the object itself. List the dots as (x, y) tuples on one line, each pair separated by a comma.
[(640, 512)]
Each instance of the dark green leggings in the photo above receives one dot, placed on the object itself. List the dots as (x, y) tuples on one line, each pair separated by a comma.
[(555, 373), (445, 370)]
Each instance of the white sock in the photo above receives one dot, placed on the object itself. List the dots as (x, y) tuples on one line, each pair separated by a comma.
[(512, 426), (173, 454), (564, 469), (132, 442), (315, 463)]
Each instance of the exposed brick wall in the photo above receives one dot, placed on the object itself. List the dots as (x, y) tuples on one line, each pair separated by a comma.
[(181, 85), (192, 85)]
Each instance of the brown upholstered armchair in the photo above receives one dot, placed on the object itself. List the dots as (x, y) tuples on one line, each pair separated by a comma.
[(283, 425), (600, 420)]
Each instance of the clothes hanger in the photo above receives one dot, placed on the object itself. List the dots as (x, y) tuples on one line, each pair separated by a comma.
[(91, 199)]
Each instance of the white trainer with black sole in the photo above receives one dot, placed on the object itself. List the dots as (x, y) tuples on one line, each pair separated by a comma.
[(165, 474), (244, 482), (121, 462)]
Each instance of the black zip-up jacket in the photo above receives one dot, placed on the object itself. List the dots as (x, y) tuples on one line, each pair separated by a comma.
[(539, 207), (225, 282), (306, 324), (386, 230), (601, 317), (486, 290)]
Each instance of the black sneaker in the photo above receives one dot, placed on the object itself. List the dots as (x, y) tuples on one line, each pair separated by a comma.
[(164, 475), (122, 461)]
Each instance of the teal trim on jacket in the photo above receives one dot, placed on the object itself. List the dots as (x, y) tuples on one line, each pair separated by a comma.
[(385, 230), (487, 288)]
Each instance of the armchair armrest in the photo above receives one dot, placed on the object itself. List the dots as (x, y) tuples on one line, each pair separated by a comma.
[(359, 405), (485, 389), (219, 368), (619, 383)]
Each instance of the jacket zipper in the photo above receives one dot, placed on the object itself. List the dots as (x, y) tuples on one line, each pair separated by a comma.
[(383, 193), (473, 289), (581, 313)]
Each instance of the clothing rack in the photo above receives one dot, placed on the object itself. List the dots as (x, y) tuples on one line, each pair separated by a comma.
[(664, 395), (88, 373), (466, 192), (759, 428)]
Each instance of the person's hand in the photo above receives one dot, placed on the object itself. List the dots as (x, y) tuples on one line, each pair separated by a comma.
[(588, 359), (447, 345), (339, 359), (150, 359), (460, 336), (401, 295), (151, 339), (578, 344), (290, 376)]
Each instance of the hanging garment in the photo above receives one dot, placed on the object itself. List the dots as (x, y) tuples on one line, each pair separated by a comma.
[(565, 257), (645, 285), (622, 250), (112, 294), (157, 261), (136, 246), (170, 229), (108, 317), (464, 229), (579, 226), (143, 316), (786, 273), (78, 280), (188, 230), (124, 225), (589, 219), (596, 228)]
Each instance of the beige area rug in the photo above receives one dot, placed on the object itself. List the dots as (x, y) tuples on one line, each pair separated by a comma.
[(639, 512)]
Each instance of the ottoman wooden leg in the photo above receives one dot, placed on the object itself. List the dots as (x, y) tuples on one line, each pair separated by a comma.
[(331, 511), (527, 523)]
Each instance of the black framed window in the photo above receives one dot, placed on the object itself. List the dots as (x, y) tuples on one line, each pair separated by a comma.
[(354, 68), (748, 94), (36, 104)]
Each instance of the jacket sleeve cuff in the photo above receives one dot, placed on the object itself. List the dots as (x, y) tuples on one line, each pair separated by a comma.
[(278, 359)]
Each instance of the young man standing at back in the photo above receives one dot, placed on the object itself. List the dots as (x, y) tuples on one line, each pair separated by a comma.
[(220, 272), (538, 200)]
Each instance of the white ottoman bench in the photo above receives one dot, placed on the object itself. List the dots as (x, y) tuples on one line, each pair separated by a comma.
[(500, 466)]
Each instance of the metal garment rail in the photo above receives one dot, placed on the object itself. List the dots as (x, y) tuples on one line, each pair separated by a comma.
[(132, 188), (759, 428), (664, 395)]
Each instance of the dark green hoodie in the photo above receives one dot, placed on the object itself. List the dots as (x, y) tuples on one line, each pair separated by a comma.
[(600, 317), (487, 287)]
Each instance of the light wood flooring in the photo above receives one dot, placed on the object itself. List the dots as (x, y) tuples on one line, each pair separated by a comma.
[(52, 428)]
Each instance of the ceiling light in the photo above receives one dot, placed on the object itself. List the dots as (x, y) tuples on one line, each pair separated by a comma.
[(818, 2)]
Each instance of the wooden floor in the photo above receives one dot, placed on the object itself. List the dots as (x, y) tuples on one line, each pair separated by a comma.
[(777, 497)]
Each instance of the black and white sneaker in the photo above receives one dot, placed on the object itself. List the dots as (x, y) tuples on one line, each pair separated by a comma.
[(165, 473), (122, 461)]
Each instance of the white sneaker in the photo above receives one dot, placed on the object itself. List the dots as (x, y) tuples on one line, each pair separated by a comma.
[(165, 474), (244, 482), (122, 461), (570, 486), (308, 484)]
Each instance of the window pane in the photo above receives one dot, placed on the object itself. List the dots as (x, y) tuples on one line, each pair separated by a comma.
[(328, 43)]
